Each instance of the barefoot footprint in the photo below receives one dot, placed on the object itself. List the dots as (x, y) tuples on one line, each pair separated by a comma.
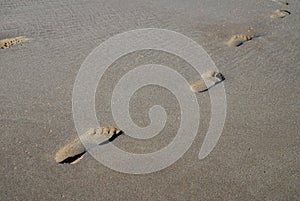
[(8, 42), (73, 151), (238, 40), (280, 14), (211, 79)]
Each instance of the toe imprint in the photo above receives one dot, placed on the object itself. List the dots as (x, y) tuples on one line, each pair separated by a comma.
[(74, 150), (280, 14), (238, 40), (109, 132), (8, 42)]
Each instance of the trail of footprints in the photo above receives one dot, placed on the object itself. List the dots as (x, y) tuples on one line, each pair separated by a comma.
[(239, 39), (74, 151)]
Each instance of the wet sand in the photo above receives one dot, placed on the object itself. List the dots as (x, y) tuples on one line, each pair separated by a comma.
[(257, 156)]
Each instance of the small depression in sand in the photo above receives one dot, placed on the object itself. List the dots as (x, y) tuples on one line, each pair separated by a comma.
[(210, 79), (74, 151)]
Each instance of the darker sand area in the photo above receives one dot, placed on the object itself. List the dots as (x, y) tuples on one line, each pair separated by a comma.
[(257, 155)]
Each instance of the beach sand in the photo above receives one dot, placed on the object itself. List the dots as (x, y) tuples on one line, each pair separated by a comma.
[(257, 156)]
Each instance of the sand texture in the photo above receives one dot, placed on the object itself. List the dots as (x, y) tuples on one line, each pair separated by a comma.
[(257, 155)]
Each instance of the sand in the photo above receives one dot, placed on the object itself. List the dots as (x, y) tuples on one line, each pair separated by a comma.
[(257, 156)]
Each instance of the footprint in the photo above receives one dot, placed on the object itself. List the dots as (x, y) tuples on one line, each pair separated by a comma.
[(74, 151), (211, 79), (280, 14), (8, 42), (281, 2), (239, 39)]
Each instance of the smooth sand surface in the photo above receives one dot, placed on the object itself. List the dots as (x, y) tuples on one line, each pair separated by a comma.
[(257, 156)]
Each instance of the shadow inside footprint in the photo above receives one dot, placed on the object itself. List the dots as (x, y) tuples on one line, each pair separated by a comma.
[(111, 139), (73, 159), (238, 40), (74, 151), (279, 13)]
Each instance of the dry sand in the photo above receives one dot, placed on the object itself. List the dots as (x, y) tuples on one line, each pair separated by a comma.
[(257, 156)]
